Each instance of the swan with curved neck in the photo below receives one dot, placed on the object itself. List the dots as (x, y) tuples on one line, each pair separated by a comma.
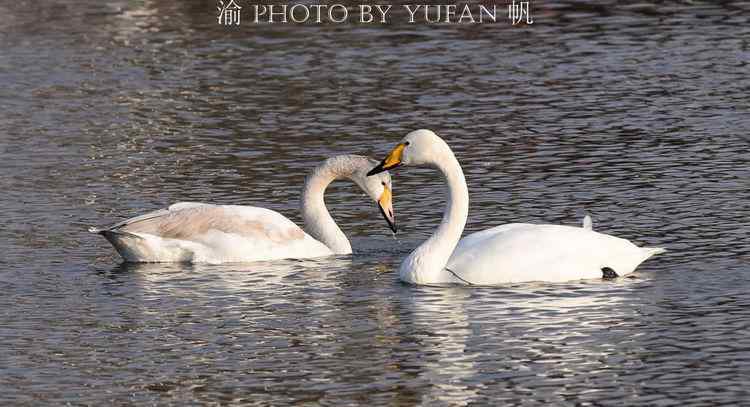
[(515, 252), (206, 233)]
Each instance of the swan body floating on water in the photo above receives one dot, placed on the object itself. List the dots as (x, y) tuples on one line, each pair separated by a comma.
[(206, 233), (516, 252)]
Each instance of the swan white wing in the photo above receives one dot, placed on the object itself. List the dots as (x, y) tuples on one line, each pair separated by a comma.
[(471, 240), (197, 232), (526, 252)]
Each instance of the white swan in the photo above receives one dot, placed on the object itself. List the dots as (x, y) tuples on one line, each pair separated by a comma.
[(205, 233), (515, 252)]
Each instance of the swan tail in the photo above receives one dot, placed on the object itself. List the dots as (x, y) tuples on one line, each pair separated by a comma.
[(587, 223), (132, 247), (651, 251), (110, 234)]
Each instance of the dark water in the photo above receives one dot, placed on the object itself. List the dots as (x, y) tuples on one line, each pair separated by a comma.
[(634, 112)]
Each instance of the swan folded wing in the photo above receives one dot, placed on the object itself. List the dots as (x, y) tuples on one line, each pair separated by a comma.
[(194, 222), (470, 240), (526, 252), (218, 233)]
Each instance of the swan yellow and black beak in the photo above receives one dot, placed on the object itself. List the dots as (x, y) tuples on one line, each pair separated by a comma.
[(385, 203), (392, 160)]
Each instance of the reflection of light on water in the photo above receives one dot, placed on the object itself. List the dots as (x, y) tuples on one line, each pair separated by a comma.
[(442, 314), (137, 19), (260, 301), (560, 336), (237, 278), (521, 337)]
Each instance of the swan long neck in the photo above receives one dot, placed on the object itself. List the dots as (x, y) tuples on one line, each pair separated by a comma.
[(426, 264), (318, 222)]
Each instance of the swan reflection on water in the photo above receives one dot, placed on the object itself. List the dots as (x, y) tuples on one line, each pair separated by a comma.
[(475, 342), (455, 345)]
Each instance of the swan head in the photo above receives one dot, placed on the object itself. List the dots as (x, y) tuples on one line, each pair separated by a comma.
[(420, 147), (379, 188)]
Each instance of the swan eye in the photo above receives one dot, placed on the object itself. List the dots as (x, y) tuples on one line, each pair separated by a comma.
[(407, 143), (383, 182)]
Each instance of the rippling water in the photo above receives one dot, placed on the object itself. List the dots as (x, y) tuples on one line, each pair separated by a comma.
[(635, 113)]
